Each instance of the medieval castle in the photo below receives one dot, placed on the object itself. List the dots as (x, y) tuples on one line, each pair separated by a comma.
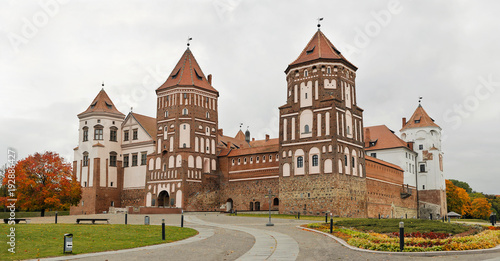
[(324, 159)]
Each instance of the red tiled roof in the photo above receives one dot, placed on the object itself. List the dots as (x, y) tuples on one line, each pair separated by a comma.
[(148, 123), (260, 143), (235, 141), (102, 103), (240, 136), (419, 119), (187, 72), (383, 137), (383, 162), (254, 150), (319, 47)]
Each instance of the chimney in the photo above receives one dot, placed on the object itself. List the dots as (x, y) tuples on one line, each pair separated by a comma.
[(210, 79), (367, 138), (267, 137), (229, 144), (404, 122), (253, 139)]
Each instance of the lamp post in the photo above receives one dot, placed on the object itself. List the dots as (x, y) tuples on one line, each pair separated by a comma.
[(270, 195), (401, 236)]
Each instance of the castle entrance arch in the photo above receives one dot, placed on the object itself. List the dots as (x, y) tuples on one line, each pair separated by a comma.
[(163, 199)]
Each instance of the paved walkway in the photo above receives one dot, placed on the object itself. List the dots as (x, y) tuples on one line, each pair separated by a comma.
[(243, 238)]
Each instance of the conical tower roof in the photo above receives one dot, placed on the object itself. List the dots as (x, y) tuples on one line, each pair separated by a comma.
[(102, 103), (319, 47), (187, 72), (420, 119)]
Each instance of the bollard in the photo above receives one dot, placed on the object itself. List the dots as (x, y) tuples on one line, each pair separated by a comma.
[(326, 217), (182, 219), (430, 216), (163, 229), (235, 212), (378, 215), (406, 215), (331, 223), (56, 218), (298, 215), (125, 218), (401, 236)]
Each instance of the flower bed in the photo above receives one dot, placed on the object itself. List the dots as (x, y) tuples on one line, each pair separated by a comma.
[(415, 241)]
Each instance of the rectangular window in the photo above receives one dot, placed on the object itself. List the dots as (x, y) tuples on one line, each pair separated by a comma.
[(111, 184), (143, 158), (134, 159), (112, 160), (422, 167), (125, 160), (85, 135), (85, 160), (315, 160), (112, 135), (420, 147), (98, 134), (373, 155), (134, 135), (125, 135)]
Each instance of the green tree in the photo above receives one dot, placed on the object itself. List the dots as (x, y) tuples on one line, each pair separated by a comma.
[(461, 184)]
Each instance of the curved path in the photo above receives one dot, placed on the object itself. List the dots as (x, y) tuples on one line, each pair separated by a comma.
[(269, 245)]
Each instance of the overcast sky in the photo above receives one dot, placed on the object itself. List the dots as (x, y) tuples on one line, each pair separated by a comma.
[(54, 57)]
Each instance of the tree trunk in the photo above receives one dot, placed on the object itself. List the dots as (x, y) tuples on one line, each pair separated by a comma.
[(42, 214)]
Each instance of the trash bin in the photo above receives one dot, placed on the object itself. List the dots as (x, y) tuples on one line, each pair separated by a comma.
[(146, 220), (68, 243)]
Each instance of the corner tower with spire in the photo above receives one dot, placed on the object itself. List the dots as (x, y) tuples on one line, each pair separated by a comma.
[(97, 162), (321, 135), (425, 135), (185, 158)]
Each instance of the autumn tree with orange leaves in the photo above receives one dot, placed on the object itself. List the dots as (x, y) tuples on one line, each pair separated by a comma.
[(480, 208), (457, 199), (44, 181)]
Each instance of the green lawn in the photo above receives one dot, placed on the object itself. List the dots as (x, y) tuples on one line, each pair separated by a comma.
[(33, 214), (45, 240), (470, 220), (410, 225)]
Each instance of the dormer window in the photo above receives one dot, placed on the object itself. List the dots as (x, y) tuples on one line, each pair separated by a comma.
[(197, 75), (310, 51), (175, 76), (93, 105), (108, 105), (417, 121)]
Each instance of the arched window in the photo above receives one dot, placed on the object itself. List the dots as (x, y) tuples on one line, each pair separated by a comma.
[(306, 129), (98, 132), (208, 115), (185, 111), (85, 159), (306, 73), (345, 160), (166, 114), (85, 133), (112, 159), (276, 202), (112, 133), (353, 162), (315, 160), (328, 70), (300, 162)]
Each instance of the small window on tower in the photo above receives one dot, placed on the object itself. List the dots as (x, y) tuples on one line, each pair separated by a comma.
[(328, 70), (310, 51), (300, 162), (306, 73), (421, 147), (185, 95), (185, 111), (166, 114)]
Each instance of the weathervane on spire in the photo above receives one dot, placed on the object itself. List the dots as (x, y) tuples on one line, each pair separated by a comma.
[(319, 21), (241, 124), (419, 100), (102, 85), (189, 39)]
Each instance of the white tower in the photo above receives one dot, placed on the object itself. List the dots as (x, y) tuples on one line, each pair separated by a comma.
[(97, 163), (425, 135)]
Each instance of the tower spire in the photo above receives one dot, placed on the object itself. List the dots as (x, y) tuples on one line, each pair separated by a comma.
[(319, 22)]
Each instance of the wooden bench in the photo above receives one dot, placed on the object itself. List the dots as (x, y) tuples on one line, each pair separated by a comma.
[(17, 220), (78, 220)]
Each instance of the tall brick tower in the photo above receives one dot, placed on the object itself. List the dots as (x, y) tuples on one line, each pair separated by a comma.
[(426, 136), (322, 166), (185, 159)]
